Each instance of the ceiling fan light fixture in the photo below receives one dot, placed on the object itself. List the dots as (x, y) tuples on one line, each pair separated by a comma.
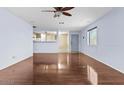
[(58, 11), (57, 14)]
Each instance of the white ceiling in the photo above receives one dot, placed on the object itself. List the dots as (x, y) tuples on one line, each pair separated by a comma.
[(81, 17)]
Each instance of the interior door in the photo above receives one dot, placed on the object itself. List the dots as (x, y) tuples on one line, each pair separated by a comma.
[(74, 43)]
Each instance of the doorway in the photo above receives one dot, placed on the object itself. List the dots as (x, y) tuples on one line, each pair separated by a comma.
[(74, 43), (63, 42)]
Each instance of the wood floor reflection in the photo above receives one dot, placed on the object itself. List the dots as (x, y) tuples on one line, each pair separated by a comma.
[(73, 69), (65, 70)]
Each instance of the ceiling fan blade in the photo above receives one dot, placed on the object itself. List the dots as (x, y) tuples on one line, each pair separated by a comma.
[(66, 14), (67, 8), (47, 11), (58, 8)]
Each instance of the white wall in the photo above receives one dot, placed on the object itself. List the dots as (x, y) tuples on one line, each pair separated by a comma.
[(110, 48), (15, 39)]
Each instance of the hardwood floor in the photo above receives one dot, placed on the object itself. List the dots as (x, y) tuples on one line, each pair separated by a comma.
[(60, 69), (73, 69), (66, 69), (18, 74)]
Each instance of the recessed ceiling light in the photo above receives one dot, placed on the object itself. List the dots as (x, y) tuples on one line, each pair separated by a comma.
[(34, 26), (61, 22)]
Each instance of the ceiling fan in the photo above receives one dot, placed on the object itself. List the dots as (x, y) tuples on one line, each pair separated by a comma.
[(58, 11)]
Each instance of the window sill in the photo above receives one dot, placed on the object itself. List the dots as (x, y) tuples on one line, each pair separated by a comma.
[(44, 41)]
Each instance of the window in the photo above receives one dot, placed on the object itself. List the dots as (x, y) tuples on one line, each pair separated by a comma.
[(92, 37), (51, 36), (45, 36), (36, 36)]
